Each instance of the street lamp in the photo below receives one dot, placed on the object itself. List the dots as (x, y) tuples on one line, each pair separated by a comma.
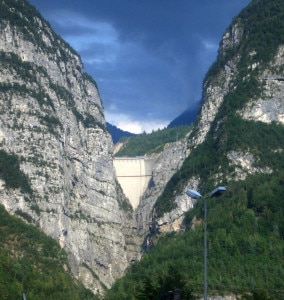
[(218, 191)]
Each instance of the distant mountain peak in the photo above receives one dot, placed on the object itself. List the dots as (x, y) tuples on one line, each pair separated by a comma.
[(117, 133), (186, 118)]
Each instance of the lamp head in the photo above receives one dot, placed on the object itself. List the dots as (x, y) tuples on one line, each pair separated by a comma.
[(218, 191), (193, 194)]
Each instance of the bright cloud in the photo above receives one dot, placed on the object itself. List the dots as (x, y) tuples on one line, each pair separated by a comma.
[(209, 45), (127, 123), (84, 34)]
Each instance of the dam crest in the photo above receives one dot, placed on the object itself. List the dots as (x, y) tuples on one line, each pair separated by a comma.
[(134, 174)]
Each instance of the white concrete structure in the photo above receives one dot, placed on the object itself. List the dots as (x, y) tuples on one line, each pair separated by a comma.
[(134, 175)]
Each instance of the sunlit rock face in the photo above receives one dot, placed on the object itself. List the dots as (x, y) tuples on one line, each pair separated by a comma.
[(166, 165), (52, 118), (270, 106)]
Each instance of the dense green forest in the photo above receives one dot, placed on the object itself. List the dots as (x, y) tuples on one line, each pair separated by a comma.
[(260, 139), (245, 233), (148, 143), (34, 264)]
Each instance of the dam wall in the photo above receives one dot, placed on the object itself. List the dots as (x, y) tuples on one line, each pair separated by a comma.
[(134, 175)]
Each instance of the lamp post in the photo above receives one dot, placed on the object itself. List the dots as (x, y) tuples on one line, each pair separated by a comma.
[(195, 195)]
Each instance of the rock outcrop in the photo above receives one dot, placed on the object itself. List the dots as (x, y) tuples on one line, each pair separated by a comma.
[(166, 165)]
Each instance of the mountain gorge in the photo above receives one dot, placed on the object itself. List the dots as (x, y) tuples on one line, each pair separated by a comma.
[(57, 171)]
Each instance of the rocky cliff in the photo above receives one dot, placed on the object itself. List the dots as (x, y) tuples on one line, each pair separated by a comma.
[(52, 120), (248, 70)]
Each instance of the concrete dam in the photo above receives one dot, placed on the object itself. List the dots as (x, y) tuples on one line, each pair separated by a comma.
[(134, 175)]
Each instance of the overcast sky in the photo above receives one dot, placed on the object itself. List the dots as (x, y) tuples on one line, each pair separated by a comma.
[(148, 57)]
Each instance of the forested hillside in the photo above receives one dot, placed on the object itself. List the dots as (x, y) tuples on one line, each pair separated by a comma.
[(34, 264), (154, 142), (245, 233), (246, 224)]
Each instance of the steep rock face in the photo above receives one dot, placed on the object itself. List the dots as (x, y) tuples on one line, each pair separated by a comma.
[(270, 106), (167, 164), (216, 89), (52, 118)]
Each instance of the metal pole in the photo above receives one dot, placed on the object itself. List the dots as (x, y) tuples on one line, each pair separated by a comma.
[(205, 249), (195, 195)]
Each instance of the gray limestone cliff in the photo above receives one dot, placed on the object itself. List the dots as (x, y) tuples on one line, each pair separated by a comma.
[(52, 119), (166, 165)]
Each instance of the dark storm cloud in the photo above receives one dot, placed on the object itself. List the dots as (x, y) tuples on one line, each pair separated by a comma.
[(148, 57)]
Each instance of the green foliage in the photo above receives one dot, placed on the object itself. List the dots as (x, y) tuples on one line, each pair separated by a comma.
[(125, 206), (41, 97), (203, 161), (11, 173), (51, 122), (16, 19), (89, 121), (33, 263), (261, 140), (12, 61), (245, 226), (263, 28), (86, 76), (28, 72), (245, 248), (154, 142)]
